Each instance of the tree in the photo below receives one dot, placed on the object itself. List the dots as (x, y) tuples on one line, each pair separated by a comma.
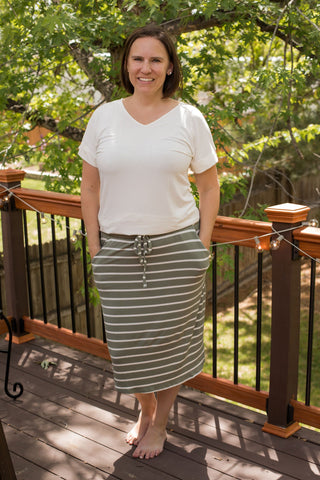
[(256, 61)]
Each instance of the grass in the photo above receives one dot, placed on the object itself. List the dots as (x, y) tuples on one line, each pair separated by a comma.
[(32, 183), (247, 344)]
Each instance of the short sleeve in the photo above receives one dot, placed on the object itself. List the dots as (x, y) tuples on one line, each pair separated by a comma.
[(204, 150), (88, 146)]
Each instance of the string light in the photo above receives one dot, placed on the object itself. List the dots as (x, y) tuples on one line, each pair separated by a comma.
[(314, 223), (311, 223), (275, 242), (258, 245), (74, 237), (43, 218), (7, 197)]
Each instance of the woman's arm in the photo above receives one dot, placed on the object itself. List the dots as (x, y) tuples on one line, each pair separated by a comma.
[(209, 200), (90, 202)]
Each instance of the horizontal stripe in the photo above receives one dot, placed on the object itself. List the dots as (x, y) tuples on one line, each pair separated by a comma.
[(144, 314), (154, 305), (142, 349), (137, 362), (150, 297), (149, 338), (154, 374), (135, 324), (157, 386)]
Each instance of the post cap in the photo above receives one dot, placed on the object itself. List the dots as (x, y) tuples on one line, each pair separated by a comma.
[(11, 175), (287, 213)]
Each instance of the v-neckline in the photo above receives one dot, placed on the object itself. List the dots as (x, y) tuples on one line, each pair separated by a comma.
[(153, 121)]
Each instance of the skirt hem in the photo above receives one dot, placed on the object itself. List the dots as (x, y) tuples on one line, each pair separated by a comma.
[(153, 389)]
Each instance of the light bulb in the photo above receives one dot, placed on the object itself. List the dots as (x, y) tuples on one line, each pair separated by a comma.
[(258, 244), (74, 237), (7, 197), (313, 222), (275, 242), (43, 218)]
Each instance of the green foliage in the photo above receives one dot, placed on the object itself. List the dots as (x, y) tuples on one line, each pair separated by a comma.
[(256, 213), (94, 298), (256, 61), (231, 184)]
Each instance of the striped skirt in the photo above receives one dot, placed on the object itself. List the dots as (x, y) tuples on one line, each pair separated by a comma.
[(152, 292)]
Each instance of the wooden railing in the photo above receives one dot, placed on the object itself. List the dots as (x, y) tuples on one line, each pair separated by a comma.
[(283, 410)]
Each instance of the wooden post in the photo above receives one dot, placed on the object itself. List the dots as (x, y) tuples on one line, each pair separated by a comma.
[(6, 467), (14, 255), (285, 328)]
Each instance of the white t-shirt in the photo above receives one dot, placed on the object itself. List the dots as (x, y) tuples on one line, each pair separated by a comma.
[(144, 184)]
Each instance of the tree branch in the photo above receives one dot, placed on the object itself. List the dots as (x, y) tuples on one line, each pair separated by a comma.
[(83, 59), (179, 25)]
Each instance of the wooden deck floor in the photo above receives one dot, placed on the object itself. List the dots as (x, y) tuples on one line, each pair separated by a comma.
[(70, 424)]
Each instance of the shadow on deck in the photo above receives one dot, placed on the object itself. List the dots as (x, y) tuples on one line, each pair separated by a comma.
[(70, 424)]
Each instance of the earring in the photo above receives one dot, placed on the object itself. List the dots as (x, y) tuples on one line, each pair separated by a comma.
[(170, 72)]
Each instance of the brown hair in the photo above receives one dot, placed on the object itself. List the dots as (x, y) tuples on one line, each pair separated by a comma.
[(172, 82)]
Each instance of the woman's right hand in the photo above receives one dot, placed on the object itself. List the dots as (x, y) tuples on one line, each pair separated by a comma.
[(93, 250)]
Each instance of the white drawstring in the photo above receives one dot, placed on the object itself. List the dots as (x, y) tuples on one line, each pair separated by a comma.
[(142, 247)]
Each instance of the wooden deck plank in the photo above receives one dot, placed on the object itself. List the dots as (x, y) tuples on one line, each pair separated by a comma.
[(26, 469), (222, 427), (44, 460), (72, 414)]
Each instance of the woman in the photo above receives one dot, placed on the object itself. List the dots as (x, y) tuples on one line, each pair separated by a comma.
[(149, 261)]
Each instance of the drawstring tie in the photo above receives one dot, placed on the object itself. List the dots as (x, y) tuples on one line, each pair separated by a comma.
[(142, 247)]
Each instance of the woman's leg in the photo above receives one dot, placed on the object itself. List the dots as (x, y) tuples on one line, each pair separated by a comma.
[(148, 405), (151, 444)]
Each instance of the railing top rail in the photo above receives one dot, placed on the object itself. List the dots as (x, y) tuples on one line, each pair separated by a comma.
[(227, 229), (54, 203), (308, 239), (241, 231)]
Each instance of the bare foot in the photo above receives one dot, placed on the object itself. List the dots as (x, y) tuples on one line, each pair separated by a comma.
[(151, 445), (139, 429)]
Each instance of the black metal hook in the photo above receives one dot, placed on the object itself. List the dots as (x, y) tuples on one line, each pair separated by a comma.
[(8, 352)]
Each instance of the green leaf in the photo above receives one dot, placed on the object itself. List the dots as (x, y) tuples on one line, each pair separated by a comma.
[(45, 364)]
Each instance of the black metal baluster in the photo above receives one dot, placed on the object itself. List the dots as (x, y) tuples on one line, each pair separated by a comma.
[(73, 320), (55, 270), (43, 289), (8, 352), (310, 330), (1, 304), (103, 329), (259, 321), (236, 314), (26, 243), (214, 311), (85, 277)]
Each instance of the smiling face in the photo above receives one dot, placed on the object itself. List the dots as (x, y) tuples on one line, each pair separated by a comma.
[(148, 65)]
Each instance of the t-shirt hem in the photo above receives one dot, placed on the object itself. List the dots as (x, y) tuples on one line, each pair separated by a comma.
[(151, 228)]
